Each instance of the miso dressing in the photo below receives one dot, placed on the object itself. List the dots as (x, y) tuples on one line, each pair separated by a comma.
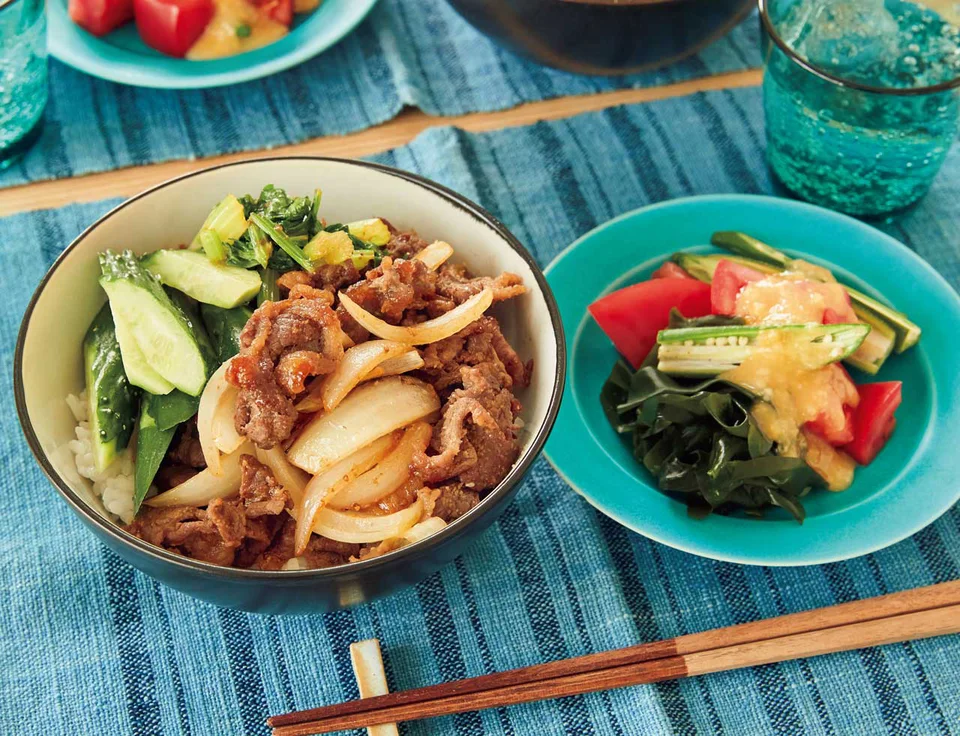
[(236, 26), (785, 373)]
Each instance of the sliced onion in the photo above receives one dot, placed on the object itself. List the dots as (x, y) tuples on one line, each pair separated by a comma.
[(369, 412), (327, 484), (403, 363), (426, 332), (225, 434), (290, 477), (204, 487), (388, 475), (216, 389), (424, 529), (418, 531), (357, 362), (296, 563), (435, 254), (409, 361), (355, 527)]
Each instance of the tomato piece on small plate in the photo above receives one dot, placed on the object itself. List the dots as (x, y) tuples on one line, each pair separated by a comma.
[(99, 17), (836, 435), (172, 26), (633, 316), (873, 419), (728, 279), (841, 312), (670, 270), (833, 425), (280, 11)]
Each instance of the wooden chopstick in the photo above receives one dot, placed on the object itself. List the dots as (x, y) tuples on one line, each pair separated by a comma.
[(844, 614), (889, 630)]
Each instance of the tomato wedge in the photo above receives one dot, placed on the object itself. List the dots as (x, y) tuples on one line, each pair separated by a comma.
[(279, 10), (873, 419), (843, 314), (100, 16), (728, 279), (172, 26), (632, 317), (670, 270), (835, 435), (843, 393)]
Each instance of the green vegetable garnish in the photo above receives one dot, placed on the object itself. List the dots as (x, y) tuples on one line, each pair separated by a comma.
[(224, 327), (867, 308), (269, 291), (709, 351), (213, 246), (244, 31), (112, 401), (871, 354), (228, 220), (282, 239)]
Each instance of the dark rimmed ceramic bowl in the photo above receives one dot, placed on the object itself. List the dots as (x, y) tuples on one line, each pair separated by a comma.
[(169, 214), (604, 36)]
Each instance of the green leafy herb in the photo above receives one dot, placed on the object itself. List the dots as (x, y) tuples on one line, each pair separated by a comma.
[(243, 30), (702, 444), (293, 214), (282, 239), (269, 291)]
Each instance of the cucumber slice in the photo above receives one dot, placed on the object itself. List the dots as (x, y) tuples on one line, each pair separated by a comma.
[(135, 365), (702, 267), (224, 327), (157, 327), (907, 332), (875, 348), (196, 275), (870, 310), (885, 336), (152, 445), (227, 220), (112, 400), (749, 247), (708, 351)]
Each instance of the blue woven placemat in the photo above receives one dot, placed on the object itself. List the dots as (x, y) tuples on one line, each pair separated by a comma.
[(88, 645), (409, 52)]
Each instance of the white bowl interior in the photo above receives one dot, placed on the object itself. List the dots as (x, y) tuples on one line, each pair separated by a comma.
[(171, 214)]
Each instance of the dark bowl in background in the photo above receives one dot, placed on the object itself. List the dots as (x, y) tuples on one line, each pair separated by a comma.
[(604, 36)]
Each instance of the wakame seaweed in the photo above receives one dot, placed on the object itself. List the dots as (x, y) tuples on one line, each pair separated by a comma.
[(699, 440)]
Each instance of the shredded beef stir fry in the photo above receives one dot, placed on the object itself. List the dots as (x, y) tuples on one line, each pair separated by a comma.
[(293, 352)]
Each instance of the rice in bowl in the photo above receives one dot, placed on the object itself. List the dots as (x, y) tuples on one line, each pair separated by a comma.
[(114, 486)]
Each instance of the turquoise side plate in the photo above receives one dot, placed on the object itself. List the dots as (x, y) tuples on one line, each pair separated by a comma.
[(122, 57), (914, 480)]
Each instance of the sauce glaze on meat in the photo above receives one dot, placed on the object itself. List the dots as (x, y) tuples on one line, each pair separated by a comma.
[(288, 343)]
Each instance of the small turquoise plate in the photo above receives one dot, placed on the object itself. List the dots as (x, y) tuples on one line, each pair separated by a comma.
[(122, 57), (913, 481)]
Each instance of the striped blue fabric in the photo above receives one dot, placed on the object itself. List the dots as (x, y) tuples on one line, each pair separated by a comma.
[(409, 52), (88, 645)]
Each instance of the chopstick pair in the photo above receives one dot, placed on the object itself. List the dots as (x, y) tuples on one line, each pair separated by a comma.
[(888, 619)]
